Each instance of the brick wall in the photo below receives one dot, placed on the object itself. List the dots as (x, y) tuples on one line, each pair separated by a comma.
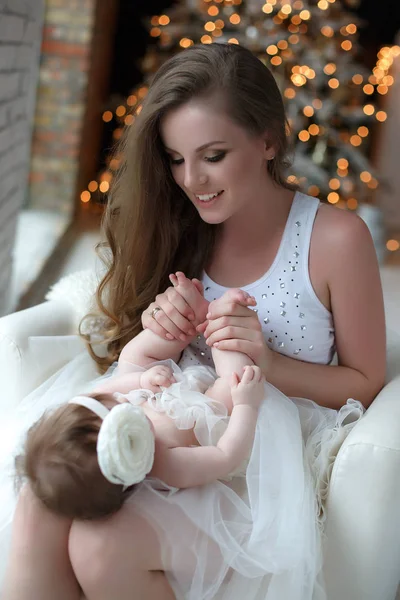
[(20, 39), (61, 104)]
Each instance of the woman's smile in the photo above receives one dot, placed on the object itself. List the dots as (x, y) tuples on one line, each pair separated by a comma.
[(232, 172)]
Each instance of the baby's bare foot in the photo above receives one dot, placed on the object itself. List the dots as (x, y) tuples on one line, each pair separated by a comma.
[(239, 296), (190, 292)]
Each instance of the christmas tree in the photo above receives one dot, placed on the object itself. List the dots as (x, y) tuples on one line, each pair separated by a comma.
[(332, 99)]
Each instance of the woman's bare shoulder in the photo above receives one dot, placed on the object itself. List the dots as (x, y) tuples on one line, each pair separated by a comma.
[(336, 235), (344, 248), (334, 227)]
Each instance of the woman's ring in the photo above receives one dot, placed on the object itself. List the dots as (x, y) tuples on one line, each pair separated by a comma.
[(155, 311)]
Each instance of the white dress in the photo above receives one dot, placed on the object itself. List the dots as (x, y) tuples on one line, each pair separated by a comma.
[(257, 536)]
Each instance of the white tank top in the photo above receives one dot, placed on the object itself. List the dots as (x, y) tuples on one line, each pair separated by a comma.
[(293, 319)]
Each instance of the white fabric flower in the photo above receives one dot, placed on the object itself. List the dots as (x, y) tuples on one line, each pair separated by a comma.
[(125, 445)]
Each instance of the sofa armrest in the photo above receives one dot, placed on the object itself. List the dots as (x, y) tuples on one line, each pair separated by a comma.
[(25, 363), (362, 546)]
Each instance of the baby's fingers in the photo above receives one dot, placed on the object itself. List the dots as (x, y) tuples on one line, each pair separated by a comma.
[(234, 380), (248, 374), (163, 380), (164, 370), (258, 374)]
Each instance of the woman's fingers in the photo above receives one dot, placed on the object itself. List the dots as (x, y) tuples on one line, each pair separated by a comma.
[(246, 346), (216, 325), (149, 322), (227, 309), (163, 322), (172, 321), (177, 310), (192, 296), (232, 332), (178, 301)]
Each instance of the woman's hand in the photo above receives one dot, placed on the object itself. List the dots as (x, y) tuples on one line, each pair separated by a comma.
[(232, 326), (181, 307)]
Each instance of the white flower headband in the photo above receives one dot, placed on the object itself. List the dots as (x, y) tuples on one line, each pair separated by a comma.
[(125, 444)]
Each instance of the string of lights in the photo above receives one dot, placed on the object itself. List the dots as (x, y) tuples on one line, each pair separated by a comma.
[(333, 101)]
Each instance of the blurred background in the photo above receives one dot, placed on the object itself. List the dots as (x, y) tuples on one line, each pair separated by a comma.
[(73, 74)]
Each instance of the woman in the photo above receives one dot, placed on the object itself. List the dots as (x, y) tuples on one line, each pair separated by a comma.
[(202, 190)]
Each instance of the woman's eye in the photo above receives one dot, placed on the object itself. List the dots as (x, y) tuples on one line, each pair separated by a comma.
[(176, 161), (216, 158)]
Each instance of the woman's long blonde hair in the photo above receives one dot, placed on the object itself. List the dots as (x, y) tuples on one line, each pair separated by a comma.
[(151, 227)]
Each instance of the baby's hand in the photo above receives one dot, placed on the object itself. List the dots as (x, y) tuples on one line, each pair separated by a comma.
[(249, 389), (157, 376), (191, 291)]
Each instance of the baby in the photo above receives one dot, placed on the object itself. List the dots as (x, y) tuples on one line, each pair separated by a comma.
[(84, 459)]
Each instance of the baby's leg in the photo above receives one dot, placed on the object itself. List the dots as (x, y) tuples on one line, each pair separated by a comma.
[(39, 565), (119, 558), (226, 362)]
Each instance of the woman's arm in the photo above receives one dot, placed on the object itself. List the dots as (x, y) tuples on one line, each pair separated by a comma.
[(189, 467), (353, 277), (358, 312)]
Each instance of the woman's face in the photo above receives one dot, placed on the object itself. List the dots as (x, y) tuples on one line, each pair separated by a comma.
[(218, 164)]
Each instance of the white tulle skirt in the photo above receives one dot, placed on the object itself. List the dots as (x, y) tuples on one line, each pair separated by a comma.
[(257, 536)]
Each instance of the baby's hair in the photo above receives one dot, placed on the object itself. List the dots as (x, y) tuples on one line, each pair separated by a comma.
[(60, 463)]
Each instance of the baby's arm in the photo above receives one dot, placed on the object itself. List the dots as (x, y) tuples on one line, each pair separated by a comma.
[(151, 379), (147, 347), (188, 467)]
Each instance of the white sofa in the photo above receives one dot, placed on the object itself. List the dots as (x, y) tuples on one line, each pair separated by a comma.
[(362, 546)]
